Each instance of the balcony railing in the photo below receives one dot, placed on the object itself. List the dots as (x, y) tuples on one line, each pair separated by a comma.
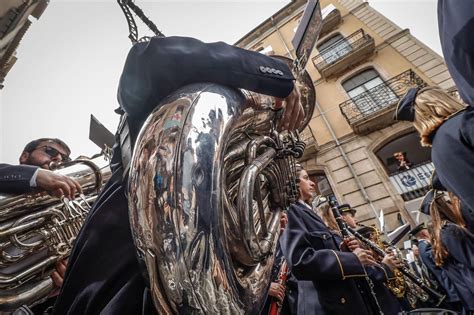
[(377, 101), (358, 45), (414, 182)]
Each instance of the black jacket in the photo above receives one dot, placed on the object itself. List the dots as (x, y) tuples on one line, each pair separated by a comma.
[(15, 179), (313, 254)]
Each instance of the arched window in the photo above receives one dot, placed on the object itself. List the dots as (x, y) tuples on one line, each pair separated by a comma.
[(369, 92), (334, 48), (408, 165)]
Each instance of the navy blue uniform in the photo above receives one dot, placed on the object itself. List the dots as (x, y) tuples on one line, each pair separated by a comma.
[(103, 274), (15, 179), (456, 26), (313, 255), (426, 255), (459, 265), (455, 138)]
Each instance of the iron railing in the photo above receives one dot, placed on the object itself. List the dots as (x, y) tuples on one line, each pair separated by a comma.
[(331, 54), (379, 97), (414, 182)]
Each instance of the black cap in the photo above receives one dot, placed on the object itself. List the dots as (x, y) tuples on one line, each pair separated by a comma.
[(346, 208), (365, 230), (436, 183), (406, 107), (426, 202), (417, 229)]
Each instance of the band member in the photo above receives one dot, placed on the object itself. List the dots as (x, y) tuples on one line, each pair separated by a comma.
[(455, 21), (313, 254), (442, 282), (33, 174), (380, 273), (448, 127), (153, 70), (453, 247)]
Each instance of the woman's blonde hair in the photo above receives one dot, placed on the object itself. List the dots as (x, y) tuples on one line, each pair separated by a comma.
[(326, 214), (432, 107)]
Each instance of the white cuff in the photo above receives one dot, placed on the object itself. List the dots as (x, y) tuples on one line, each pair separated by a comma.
[(33, 179)]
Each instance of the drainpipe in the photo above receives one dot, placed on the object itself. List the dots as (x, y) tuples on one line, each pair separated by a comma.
[(349, 164)]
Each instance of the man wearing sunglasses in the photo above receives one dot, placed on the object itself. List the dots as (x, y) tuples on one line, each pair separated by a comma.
[(34, 174)]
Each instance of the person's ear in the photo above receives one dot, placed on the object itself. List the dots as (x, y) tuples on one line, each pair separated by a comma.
[(24, 157)]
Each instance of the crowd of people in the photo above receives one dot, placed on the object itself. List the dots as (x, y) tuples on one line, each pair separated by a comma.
[(330, 271)]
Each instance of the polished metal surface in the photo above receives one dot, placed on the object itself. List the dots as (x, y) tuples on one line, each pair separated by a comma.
[(37, 230), (208, 179)]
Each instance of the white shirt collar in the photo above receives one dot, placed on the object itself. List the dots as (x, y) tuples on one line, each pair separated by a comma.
[(304, 204)]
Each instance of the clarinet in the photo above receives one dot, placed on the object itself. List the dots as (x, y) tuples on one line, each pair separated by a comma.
[(275, 306), (345, 233), (435, 296)]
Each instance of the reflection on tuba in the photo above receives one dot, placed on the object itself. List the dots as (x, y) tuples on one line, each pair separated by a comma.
[(209, 177), (37, 230)]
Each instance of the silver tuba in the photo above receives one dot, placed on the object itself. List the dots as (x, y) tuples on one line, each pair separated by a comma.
[(37, 230), (208, 179)]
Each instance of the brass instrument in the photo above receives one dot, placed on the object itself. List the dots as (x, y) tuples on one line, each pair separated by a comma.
[(209, 177), (397, 284), (437, 297), (37, 230)]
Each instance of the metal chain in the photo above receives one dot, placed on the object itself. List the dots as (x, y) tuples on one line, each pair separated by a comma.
[(372, 292), (126, 5)]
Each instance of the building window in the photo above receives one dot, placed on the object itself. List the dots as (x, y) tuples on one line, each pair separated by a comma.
[(334, 48), (408, 165), (323, 187), (369, 92)]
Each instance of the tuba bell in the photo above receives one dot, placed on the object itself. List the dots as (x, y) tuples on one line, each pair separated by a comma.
[(37, 230), (209, 177)]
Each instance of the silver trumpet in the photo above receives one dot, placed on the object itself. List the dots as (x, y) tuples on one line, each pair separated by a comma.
[(37, 230)]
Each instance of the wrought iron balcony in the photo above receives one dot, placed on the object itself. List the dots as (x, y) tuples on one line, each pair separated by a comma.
[(373, 109), (345, 52), (414, 182)]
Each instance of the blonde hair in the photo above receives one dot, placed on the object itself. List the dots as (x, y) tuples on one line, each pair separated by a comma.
[(433, 107), (326, 214), (443, 211)]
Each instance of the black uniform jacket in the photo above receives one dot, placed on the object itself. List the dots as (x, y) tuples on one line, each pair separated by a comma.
[(313, 254), (453, 156), (426, 255), (460, 263), (15, 179), (456, 26), (103, 274)]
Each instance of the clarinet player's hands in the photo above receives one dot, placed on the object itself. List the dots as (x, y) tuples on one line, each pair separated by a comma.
[(277, 291), (365, 257), (392, 261), (352, 243), (294, 113)]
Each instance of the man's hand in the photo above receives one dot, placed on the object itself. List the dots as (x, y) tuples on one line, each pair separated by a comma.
[(294, 113), (58, 276), (365, 257), (392, 261), (277, 290), (57, 185)]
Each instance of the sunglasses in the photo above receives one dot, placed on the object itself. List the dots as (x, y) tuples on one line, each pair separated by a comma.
[(52, 152)]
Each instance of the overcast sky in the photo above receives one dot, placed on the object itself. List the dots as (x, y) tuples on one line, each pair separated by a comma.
[(70, 60)]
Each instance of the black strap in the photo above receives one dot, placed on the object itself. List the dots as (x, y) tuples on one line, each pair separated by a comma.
[(125, 144)]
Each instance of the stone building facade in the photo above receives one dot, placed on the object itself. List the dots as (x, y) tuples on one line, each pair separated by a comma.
[(362, 65)]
